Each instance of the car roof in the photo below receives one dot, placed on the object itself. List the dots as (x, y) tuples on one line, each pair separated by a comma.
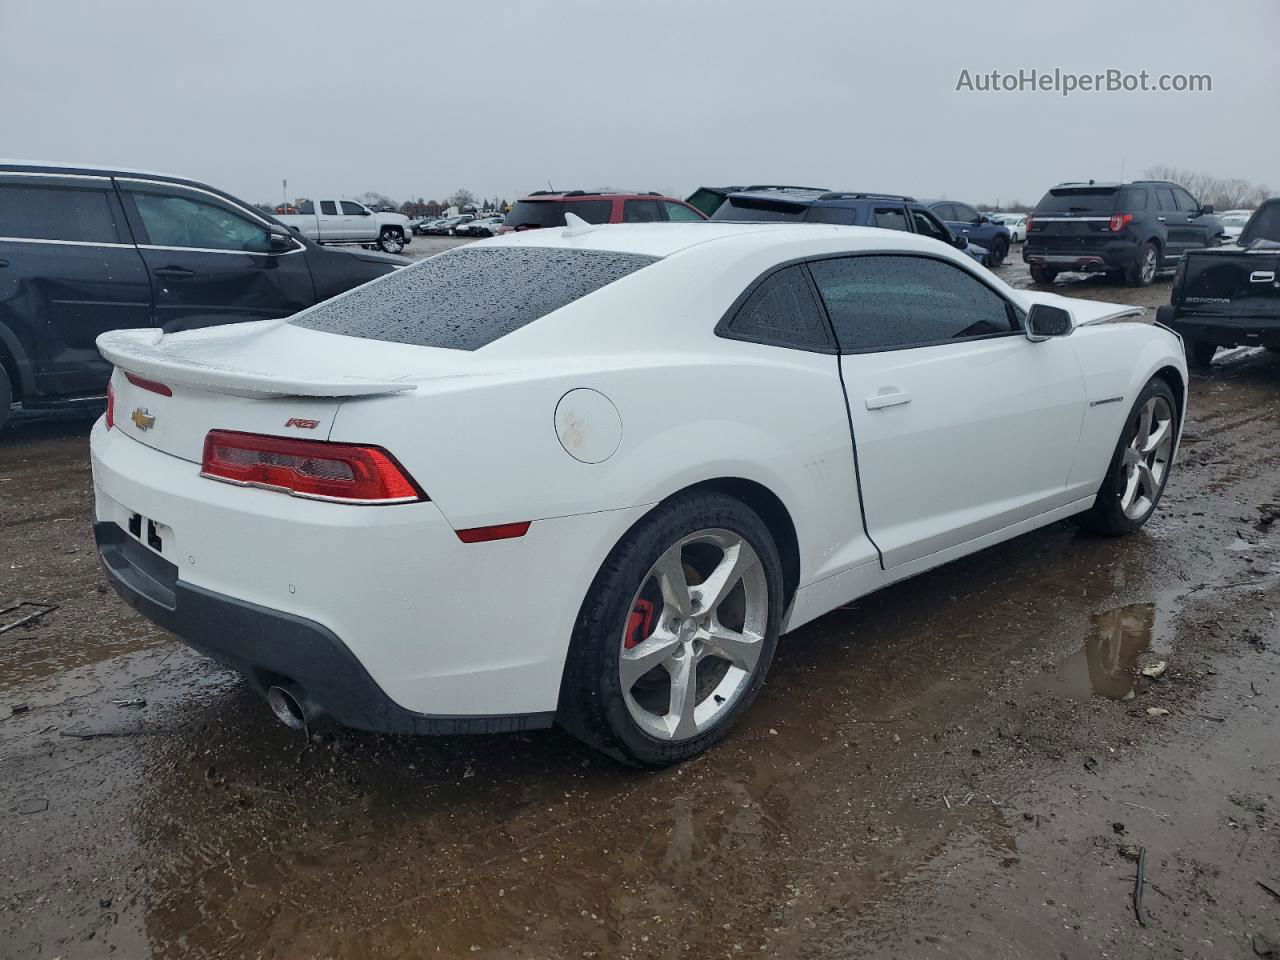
[(814, 196), (666, 239), (543, 195)]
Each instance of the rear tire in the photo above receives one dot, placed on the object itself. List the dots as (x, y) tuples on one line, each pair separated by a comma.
[(1142, 272), (1045, 275), (1140, 466), (6, 397), (1200, 354), (391, 240), (654, 614), (995, 256)]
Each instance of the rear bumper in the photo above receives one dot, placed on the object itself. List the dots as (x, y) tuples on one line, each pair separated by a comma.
[(423, 632), (1116, 255), (1227, 331), (269, 646)]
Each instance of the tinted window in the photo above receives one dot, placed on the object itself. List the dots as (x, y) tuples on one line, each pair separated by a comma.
[(946, 211), (466, 298), (891, 302), (1132, 199), (180, 221), (891, 218), (1186, 202), (1264, 224), (1078, 200), (350, 209), (781, 311), (550, 213), (848, 216), (1164, 199), (966, 214), (328, 208), (640, 211), (56, 213), (927, 225), (759, 208), (306, 207), (679, 212)]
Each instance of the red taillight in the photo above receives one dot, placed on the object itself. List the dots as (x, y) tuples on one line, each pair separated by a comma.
[(1119, 221), (342, 472), (501, 531), (145, 384), (1028, 223), (111, 405)]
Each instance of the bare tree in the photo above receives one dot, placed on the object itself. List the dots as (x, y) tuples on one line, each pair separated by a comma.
[(1224, 194), (373, 198), (462, 198)]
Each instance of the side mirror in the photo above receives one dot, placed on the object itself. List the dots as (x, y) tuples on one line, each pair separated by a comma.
[(982, 219), (1045, 322), (280, 238), (1206, 208), (960, 243)]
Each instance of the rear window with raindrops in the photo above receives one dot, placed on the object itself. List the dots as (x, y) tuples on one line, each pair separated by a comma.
[(469, 297)]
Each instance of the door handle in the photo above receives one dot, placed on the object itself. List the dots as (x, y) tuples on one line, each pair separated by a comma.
[(1262, 276), (1161, 219), (3, 263), (891, 398), (174, 273)]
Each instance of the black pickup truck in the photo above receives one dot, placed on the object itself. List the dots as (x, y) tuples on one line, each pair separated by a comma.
[(1230, 296)]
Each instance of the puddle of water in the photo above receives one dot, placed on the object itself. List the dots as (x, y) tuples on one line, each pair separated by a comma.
[(1106, 664)]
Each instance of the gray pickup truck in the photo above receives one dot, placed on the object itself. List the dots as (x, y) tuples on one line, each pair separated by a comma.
[(1230, 296)]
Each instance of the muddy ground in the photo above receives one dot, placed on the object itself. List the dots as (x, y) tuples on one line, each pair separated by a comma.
[(964, 765)]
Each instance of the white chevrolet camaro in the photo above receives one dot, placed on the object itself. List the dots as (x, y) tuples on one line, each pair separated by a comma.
[(590, 475)]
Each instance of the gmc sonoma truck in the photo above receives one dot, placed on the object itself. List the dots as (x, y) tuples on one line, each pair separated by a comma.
[(345, 221), (1230, 296)]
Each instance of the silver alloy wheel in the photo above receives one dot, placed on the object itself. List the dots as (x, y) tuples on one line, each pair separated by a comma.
[(392, 242), (1146, 458), (698, 646), (1149, 265)]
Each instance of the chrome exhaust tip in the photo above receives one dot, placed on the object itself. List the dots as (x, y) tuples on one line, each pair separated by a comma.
[(286, 708)]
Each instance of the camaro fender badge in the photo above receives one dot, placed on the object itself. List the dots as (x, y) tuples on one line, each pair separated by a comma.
[(301, 423), (142, 419), (1098, 403)]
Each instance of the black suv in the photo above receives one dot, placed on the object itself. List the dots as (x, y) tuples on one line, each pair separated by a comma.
[(1129, 231), (86, 250), (807, 205)]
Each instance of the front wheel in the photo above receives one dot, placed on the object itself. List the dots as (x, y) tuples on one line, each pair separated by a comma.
[(995, 256), (1140, 465), (676, 633), (1142, 271), (390, 240)]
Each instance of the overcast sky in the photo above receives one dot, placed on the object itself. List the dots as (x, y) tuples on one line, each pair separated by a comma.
[(502, 97)]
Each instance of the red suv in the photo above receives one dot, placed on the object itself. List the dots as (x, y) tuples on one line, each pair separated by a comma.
[(547, 209)]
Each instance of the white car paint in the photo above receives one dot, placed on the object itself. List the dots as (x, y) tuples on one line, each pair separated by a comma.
[(1015, 222), (583, 420), (335, 220)]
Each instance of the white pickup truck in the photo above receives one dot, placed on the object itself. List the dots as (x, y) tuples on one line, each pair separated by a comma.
[(345, 221)]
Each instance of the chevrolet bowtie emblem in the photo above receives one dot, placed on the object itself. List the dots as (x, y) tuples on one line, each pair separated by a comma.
[(141, 419)]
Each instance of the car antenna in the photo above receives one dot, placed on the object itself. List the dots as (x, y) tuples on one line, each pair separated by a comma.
[(550, 187), (575, 226)]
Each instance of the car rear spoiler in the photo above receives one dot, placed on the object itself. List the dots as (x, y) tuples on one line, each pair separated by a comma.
[(143, 352)]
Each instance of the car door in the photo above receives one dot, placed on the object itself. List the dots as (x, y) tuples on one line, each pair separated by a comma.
[(1175, 224), (68, 272), (330, 222), (1200, 228), (210, 260), (962, 425), (358, 223)]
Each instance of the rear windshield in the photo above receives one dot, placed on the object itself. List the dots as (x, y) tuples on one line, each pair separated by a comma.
[(759, 208), (1078, 200), (1263, 225), (466, 298), (550, 213)]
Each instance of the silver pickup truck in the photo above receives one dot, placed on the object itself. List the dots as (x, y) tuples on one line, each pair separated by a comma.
[(346, 221)]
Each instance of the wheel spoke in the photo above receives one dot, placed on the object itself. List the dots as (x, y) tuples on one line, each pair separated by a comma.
[(1162, 431), (737, 560), (1144, 425), (740, 649), (669, 571), (640, 659), (1130, 489), (1146, 480), (683, 702)]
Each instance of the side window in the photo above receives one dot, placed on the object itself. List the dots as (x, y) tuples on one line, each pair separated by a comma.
[(929, 226), (946, 211), (1186, 202), (846, 216), (350, 209), (891, 218), (894, 302), (1132, 199), (640, 211), (966, 214), (177, 220), (781, 311), (56, 213), (328, 208), (307, 207), (1164, 199), (679, 213)]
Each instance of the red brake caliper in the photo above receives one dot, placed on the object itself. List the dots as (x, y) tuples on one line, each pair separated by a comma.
[(639, 623)]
